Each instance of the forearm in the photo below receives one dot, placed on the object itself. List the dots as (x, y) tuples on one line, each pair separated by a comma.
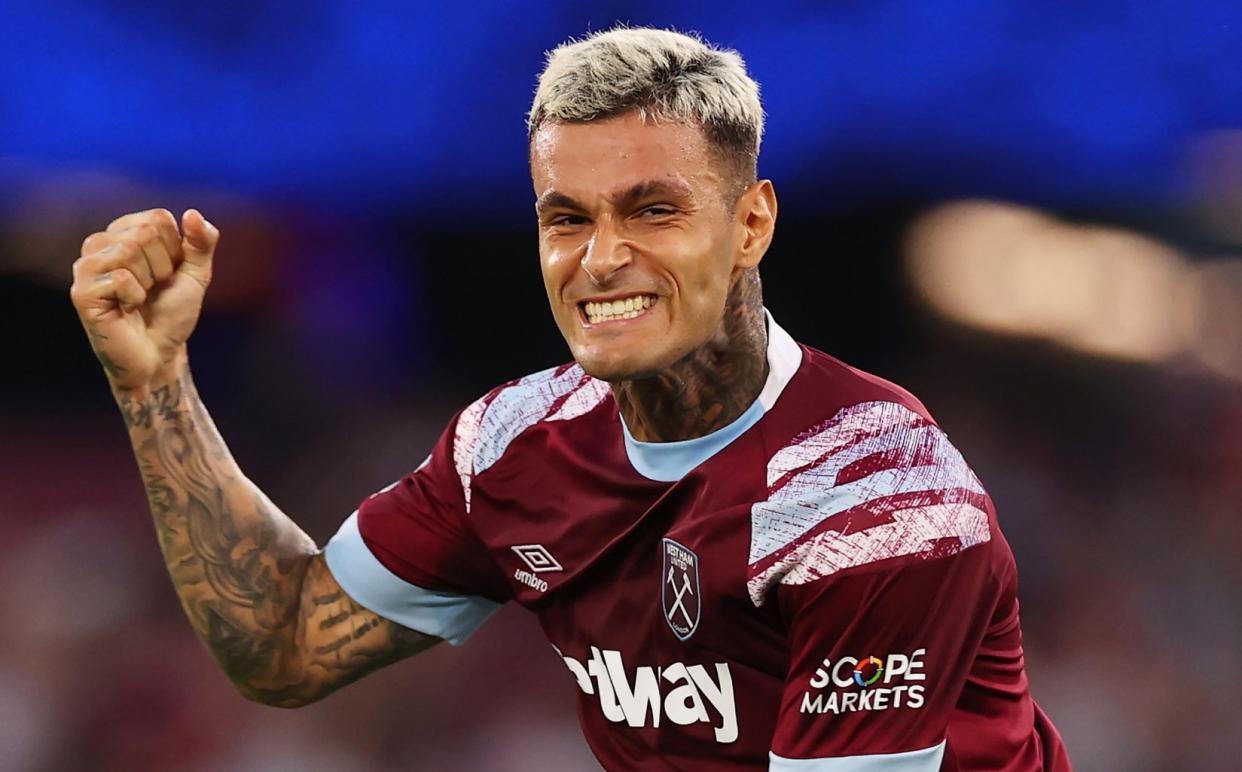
[(236, 561), (256, 589)]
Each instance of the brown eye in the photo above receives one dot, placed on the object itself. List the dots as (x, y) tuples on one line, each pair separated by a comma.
[(657, 211)]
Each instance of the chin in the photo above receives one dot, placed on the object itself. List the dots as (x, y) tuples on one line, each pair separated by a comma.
[(616, 367)]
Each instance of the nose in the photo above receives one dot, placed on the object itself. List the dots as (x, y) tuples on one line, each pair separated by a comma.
[(606, 253)]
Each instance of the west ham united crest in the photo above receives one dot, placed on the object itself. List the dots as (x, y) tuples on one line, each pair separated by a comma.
[(680, 578)]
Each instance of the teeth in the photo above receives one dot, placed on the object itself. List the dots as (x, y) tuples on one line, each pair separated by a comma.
[(628, 308)]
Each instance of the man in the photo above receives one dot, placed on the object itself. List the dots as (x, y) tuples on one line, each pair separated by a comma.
[(747, 552)]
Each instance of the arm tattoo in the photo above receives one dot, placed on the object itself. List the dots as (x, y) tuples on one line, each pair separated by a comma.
[(253, 584), (339, 642), (97, 339)]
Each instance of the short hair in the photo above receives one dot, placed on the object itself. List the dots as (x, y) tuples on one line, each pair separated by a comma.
[(665, 76)]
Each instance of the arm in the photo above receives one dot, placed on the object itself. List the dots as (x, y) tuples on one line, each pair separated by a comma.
[(879, 659), (883, 556), (253, 584)]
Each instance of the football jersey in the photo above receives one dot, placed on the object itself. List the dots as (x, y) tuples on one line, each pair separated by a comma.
[(819, 585)]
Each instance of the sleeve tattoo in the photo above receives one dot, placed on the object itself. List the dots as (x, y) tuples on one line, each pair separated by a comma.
[(253, 584)]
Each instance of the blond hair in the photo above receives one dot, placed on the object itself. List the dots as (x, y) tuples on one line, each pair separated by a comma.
[(665, 76)]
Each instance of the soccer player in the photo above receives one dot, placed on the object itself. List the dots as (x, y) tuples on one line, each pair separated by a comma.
[(748, 553)]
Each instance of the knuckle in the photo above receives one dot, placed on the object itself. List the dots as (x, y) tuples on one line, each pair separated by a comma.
[(90, 241), (149, 236), (85, 265), (161, 216)]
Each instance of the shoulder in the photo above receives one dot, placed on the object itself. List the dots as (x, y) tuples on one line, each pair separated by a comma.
[(486, 428), (873, 482), (840, 384)]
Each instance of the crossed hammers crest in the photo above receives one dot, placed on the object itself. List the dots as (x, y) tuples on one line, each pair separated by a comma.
[(679, 600)]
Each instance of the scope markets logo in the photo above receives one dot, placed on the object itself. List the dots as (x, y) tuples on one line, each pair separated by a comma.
[(869, 683)]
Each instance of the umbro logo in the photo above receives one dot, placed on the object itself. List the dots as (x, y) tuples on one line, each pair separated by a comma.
[(537, 557), (540, 560)]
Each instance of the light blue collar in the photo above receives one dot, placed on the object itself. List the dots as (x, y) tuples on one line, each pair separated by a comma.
[(671, 461)]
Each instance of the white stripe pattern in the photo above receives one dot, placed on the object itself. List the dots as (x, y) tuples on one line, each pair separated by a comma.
[(464, 439), (487, 428), (939, 498)]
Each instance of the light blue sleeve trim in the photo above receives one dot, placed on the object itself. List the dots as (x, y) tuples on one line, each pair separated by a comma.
[(926, 760), (369, 582)]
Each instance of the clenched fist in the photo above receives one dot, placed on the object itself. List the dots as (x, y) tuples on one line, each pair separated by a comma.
[(138, 288)]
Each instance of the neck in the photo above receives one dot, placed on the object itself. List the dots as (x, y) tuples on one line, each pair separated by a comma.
[(712, 385)]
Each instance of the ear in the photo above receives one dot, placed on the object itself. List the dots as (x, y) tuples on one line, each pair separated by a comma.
[(755, 215)]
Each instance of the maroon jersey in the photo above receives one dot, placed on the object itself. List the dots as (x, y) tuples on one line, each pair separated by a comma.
[(820, 585)]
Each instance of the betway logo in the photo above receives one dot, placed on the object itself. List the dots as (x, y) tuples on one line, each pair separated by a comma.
[(640, 701)]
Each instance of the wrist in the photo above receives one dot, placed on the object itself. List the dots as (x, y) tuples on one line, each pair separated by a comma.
[(167, 375)]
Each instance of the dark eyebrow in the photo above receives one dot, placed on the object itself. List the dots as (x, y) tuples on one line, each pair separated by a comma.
[(621, 199), (635, 193), (557, 199)]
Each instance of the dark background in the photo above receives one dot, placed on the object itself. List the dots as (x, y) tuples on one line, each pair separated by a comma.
[(1080, 342)]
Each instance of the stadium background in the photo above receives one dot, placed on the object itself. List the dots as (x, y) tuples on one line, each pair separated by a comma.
[(1076, 326)]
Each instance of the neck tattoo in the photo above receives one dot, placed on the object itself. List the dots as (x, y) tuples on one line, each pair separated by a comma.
[(712, 385)]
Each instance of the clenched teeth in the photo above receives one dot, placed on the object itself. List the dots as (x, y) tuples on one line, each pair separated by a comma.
[(624, 308)]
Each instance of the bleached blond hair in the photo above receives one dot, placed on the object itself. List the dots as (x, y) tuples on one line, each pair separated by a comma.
[(665, 76)]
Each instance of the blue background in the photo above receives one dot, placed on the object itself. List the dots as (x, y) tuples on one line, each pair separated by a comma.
[(422, 105)]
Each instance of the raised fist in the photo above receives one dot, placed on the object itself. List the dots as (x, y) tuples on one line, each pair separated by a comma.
[(138, 288)]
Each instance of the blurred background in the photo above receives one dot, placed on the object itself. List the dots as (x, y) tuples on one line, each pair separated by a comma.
[(1028, 213)]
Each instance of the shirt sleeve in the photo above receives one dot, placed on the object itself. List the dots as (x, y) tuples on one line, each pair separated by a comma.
[(879, 658), (408, 552)]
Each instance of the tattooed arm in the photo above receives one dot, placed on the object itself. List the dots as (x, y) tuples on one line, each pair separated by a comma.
[(256, 589), (253, 584)]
